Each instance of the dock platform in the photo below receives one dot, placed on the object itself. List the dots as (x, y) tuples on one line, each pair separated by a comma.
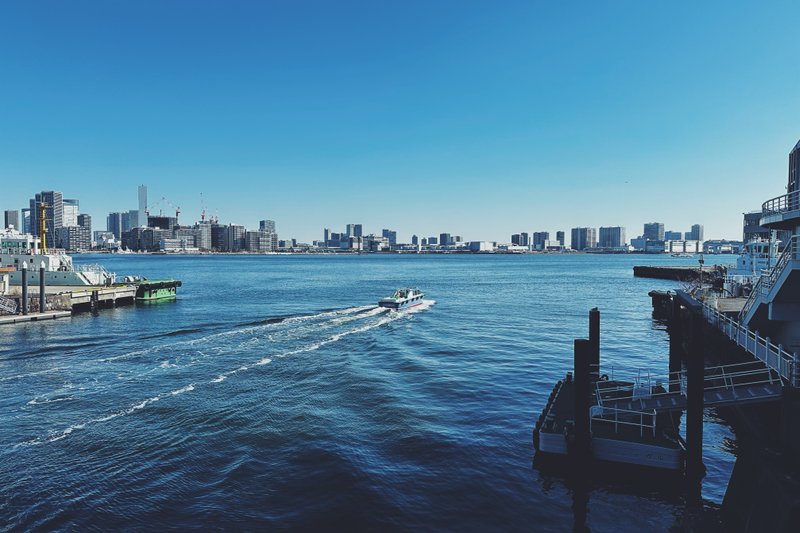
[(34, 317), (676, 273)]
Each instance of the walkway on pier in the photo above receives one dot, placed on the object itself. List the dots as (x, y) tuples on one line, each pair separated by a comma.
[(737, 383)]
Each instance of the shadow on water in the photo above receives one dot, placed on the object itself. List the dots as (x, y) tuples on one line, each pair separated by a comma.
[(601, 480)]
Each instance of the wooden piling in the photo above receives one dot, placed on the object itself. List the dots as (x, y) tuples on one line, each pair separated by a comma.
[(694, 406), (582, 362), (594, 339)]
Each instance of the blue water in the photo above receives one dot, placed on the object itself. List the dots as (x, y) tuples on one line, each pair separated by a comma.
[(273, 393)]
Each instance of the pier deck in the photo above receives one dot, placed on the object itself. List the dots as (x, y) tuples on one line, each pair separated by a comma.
[(34, 317)]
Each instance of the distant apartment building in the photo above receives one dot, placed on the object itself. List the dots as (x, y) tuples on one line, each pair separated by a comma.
[(218, 236), (70, 214), (25, 220), (354, 230), (696, 233), (654, 231), (673, 235), (11, 218), (140, 216), (445, 239), (391, 236), (233, 238), (515, 239), (612, 237), (560, 238), (267, 225), (433, 241), (77, 237), (539, 239), (114, 224), (162, 222), (415, 240), (54, 214), (200, 235), (583, 238)]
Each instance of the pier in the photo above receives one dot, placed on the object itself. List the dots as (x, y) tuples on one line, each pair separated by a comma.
[(679, 273)]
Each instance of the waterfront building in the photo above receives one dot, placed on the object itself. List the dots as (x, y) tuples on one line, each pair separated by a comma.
[(539, 239), (267, 225), (133, 220), (354, 230), (391, 236), (612, 237), (181, 244), (70, 213), (424, 241), (696, 233), (114, 224), (415, 240), (217, 236), (74, 238), (683, 247), (583, 238), (639, 244), (515, 239), (141, 214), (445, 239), (54, 214), (11, 218), (433, 241), (524, 239), (233, 238), (25, 220), (200, 234), (481, 246), (674, 235), (560, 237), (654, 231), (162, 222)]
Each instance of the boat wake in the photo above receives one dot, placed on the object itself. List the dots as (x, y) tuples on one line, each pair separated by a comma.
[(195, 360)]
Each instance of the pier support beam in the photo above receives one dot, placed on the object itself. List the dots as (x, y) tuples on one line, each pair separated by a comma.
[(42, 297), (582, 360), (675, 346), (24, 288), (694, 408), (594, 339)]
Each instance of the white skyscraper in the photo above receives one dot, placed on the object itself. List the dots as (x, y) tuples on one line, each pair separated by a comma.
[(142, 214)]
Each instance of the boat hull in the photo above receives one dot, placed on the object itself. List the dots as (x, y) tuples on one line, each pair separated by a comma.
[(401, 305)]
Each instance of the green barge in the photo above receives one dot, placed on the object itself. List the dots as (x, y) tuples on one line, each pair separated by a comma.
[(156, 290)]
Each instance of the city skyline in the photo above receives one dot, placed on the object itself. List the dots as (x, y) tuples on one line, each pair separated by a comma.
[(310, 115)]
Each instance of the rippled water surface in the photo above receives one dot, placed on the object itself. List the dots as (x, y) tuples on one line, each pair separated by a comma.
[(274, 392)]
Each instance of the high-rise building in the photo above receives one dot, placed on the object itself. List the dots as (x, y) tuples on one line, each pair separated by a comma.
[(794, 169), (11, 218), (654, 231), (70, 213), (415, 240), (444, 239), (391, 235), (433, 241), (539, 238), (696, 233), (25, 220), (133, 220), (583, 238), (267, 225), (673, 235), (560, 238), (354, 230), (233, 240), (141, 214), (54, 214), (218, 236), (114, 224), (612, 237), (515, 239)]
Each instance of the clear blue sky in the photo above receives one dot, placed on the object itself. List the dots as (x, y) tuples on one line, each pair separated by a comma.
[(476, 118)]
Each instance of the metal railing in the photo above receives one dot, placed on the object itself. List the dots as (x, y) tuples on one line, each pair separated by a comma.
[(772, 355), (628, 419), (7, 306), (766, 282), (782, 204)]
